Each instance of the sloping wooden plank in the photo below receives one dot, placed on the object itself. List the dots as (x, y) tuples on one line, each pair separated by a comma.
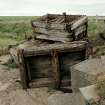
[(80, 30), (79, 22), (52, 32), (23, 72), (54, 38)]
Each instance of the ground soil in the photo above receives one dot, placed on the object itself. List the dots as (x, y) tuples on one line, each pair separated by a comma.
[(11, 92)]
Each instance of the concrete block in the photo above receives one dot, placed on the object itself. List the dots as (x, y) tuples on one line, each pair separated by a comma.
[(86, 73)]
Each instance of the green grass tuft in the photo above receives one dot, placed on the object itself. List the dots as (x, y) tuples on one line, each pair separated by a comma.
[(11, 64)]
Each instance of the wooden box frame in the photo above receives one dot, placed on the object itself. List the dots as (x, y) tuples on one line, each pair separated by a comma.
[(54, 50)]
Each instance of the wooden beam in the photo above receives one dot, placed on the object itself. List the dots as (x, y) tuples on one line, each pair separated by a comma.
[(51, 32), (79, 22), (67, 47), (45, 25), (54, 38)]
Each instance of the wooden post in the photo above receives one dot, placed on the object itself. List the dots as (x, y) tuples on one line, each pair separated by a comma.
[(64, 15), (56, 68), (23, 73), (28, 71), (89, 50), (86, 29)]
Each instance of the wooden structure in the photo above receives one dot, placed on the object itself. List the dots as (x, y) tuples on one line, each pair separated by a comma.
[(47, 64), (63, 28)]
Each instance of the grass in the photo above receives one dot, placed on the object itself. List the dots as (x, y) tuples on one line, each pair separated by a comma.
[(100, 86), (14, 29), (11, 63), (7, 41), (95, 27)]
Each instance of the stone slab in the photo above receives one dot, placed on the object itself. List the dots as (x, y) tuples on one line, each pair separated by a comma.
[(66, 99), (86, 73), (89, 92)]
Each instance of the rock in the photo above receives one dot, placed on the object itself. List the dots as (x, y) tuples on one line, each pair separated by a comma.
[(89, 92), (86, 73), (66, 99)]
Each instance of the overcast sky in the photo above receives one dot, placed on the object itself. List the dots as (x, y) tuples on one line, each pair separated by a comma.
[(40, 7)]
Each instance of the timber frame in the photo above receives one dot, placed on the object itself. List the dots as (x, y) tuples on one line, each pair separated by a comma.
[(54, 51)]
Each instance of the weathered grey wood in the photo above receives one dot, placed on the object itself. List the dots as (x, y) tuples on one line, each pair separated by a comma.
[(62, 28), (45, 25), (79, 22), (23, 72), (80, 30), (39, 24), (42, 82), (54, 38), (52, 32), (56, 68), (86, 29), (67, 47), (28, 71)]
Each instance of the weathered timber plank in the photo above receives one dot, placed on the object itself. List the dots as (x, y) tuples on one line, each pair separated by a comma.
[(28, 71), (67, 47), (46, 25), (56, 68), (42, 82), (80, 30), (54, 38), (79, 22), (60, 33), (39, 24)]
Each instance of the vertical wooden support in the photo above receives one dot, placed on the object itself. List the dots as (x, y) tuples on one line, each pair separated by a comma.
[(89, 50), (86, 29), (23, 73), (73, 35), (28, 71), (64, 15), (56, 68), (47, 22)]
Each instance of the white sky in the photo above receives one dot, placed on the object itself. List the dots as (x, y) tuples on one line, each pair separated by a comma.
[(40, 7)]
